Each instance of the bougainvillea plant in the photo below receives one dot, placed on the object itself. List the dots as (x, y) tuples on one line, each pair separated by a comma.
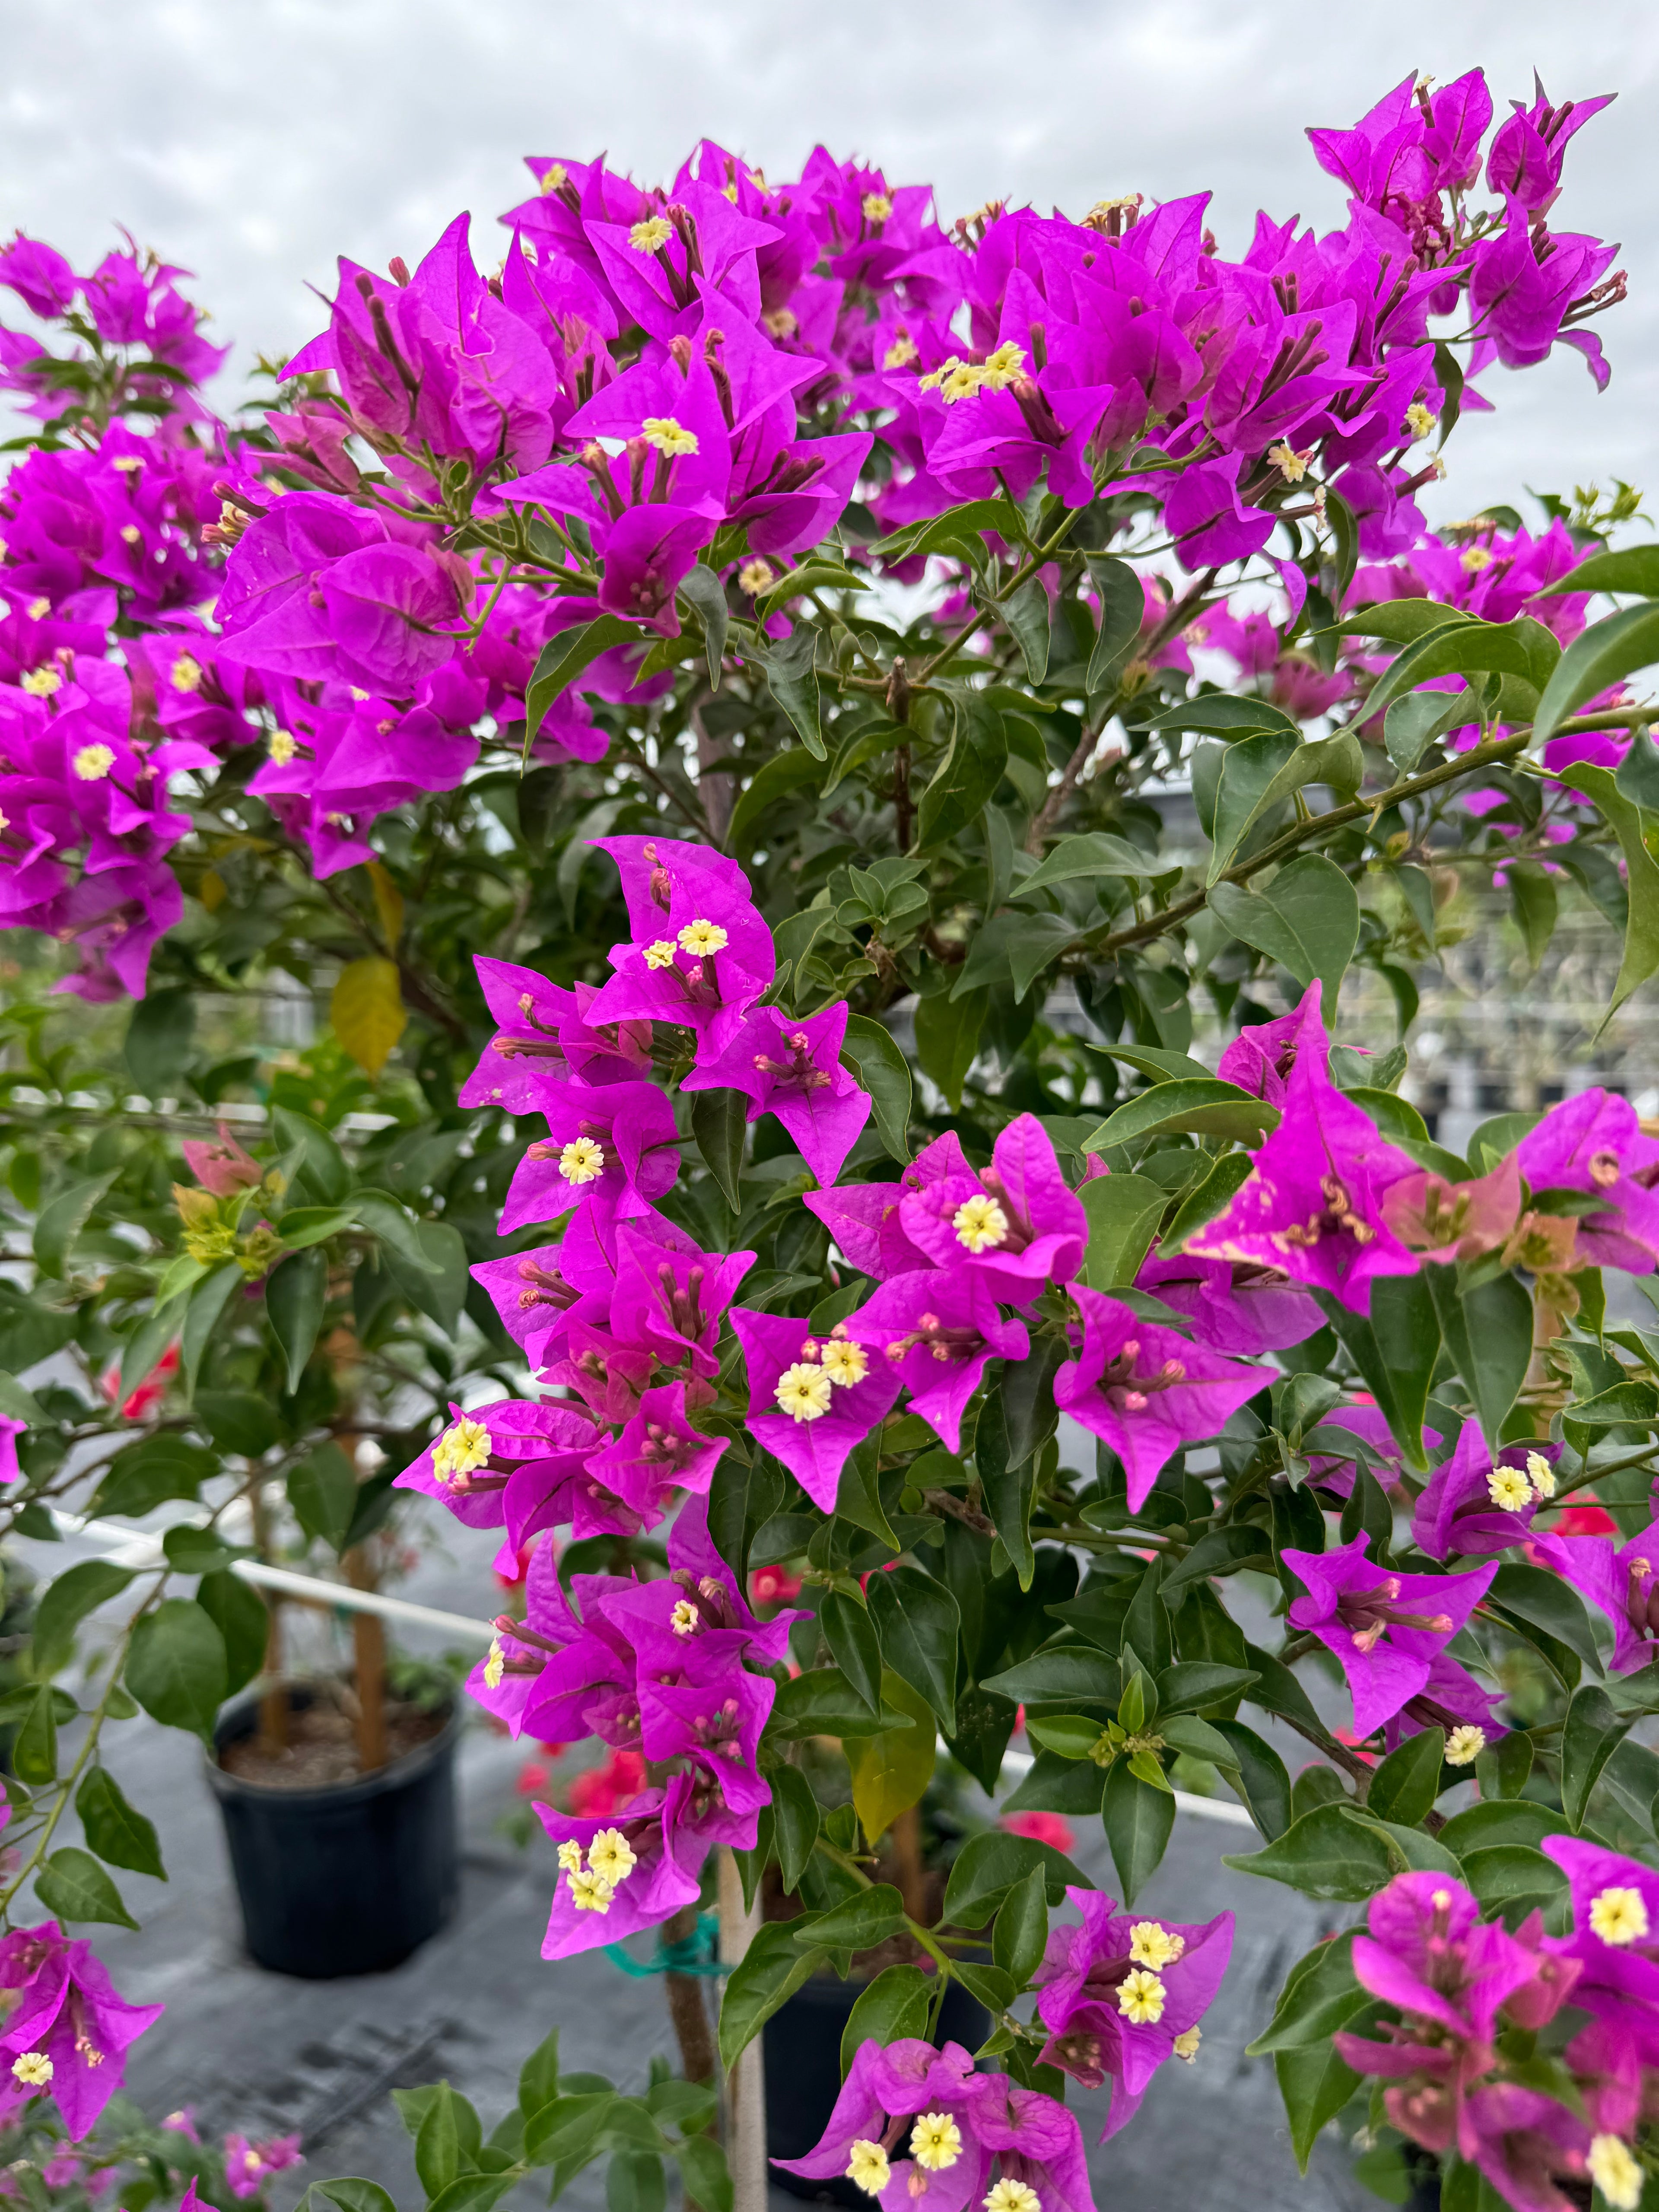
[(833, 767)]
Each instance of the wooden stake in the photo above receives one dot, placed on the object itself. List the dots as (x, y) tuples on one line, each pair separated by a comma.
[(907, 1860), (745, 2085), (368, 1641), (686, 2006), (273, 1705)]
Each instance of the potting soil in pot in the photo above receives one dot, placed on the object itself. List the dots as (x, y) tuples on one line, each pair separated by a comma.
[(322, 1746)]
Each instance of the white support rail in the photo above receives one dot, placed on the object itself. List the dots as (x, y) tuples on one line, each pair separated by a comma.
[(138, 1548)]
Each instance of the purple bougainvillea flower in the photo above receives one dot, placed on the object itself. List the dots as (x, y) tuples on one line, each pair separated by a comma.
[(1447, 1221), (1233, 1307), (1123, 1994), (472, 1464), (698, 1568), (670, 1300), (1385, 1629), (1147, 1391), (1365, 1420), (1311, 1208), (1452, 1701), (70, 2028), (811, 1400), (1595, 1143), (973, 2135), (613, 1145), (646, 1861), (700, 954), (936, 1330), (1475, 1502), (540, 1033), (1017, 1222), (1261, 1056), (1622, 1578), (657, 1451), (792, 1069)]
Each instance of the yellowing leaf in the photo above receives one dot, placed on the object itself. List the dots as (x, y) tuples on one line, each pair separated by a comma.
[(211, 891), (367, 1012), (388, 901), (891, 1771)]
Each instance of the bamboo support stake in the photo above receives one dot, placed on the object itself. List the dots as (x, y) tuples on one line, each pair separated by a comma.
[(745, 2085), (273, 1705), (368, 1643)]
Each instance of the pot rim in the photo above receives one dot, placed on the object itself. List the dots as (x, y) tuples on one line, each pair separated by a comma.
[(394, 1775)]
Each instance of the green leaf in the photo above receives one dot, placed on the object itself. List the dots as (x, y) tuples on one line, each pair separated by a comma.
[(1536, 1596), (956, 524), (1192, 1684), (704, 2172), (72, 1885), (870, 1051), (1488, 1335), (1320, 1995), (948, 1029), (296, 1297), (1323, 1854), (891, 1769), (1592, 1731), (1314, 2084), (1629, 568), (176, 1666), (66, 1604), (1122, 611), (1411, 723), (239, 1421), (719, 1121), (1021, 1933), (322, 1489), (1068, 1675), (63, 1217), (822, 1702), (158, 1040), (1641, 955), (769, 1973), (1396, 1351), (1259, 774), (1259, 1777), (794, 678), (1223, 1552), (207, 1302), (396, 1229), (242, 1619), (366, 1011), (321, 1175), (774, 780), (351, 2194), (966, 776), (814, 574), (1068, 1735), (892, 2009), (916, 1619), (563, 660), (1093, 852), (1203, 1105), (119, 1834), (1124, 1212), (1026, 614), (539, 2077), (703, 591), (853, 1645), (990, 1863), (191, 1551), (794, 1821), (1139, 1819), (1510, 1874), (1016, 1420), (1307, 918), (1598, 658), (35, 1750), (869, 1916), (1500, 1822), (1407, 1784), (1217, 1191)]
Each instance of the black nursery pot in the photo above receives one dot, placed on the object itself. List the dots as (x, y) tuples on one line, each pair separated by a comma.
[(346, 1879), (802, 2043)]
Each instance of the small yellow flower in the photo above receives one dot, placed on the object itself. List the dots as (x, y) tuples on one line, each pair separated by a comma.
[(659, 953), (590, 1892), (755, 576), (1420, 421), (554, 177), (935, 377), (1002, 367), (646, 237), (1153, 1945), (93, 762), (845, 1363), (781, 322), (1006, 2195), (667, 435), (1508, 1487), (582, 1161), (494, 1665), (964, 381), (980, 1224), (570, 1856), (867, 2168), (1619, 1915), (1614, 2173), (33, 2067), (1540, 1475), (1465, 1745), (902, 351), (878, 208), (1291, 465), (131, 534), (284, 746), (186, 673), (41, 682), (803, 1391), (703, 939), (38, 610), (463, 1447), (611, 1857), (1475, 558), (685, 1619), (935, 2141), (1186, 2045), (1140, 1997)]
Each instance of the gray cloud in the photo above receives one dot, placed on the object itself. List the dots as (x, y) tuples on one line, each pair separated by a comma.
[(256, 142)]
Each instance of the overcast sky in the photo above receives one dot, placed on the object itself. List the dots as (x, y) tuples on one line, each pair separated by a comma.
[(254, 141)]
